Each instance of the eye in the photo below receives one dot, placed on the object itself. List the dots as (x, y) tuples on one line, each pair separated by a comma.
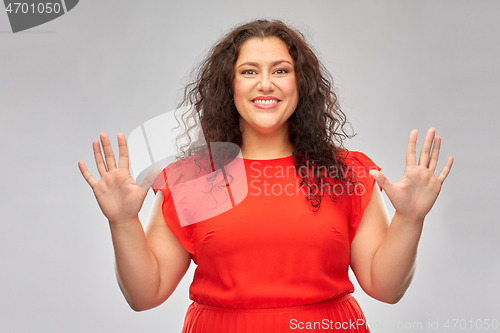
[(248, 72), (281, 71)]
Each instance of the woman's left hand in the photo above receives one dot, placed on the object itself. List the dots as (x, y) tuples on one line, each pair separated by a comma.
[(415, 193)]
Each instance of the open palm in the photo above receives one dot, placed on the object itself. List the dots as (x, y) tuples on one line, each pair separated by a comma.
[(417, 190), (117, 194)]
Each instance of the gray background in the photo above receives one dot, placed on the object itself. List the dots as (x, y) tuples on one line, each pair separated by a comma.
[(112, 65)]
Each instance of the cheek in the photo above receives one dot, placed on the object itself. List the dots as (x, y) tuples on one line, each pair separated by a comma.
[(238, 96), (290, 88), (239, 88), (240, 92)]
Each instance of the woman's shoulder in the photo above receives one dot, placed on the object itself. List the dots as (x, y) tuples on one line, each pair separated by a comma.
[(183, 169), (359, 162), (359, 157)]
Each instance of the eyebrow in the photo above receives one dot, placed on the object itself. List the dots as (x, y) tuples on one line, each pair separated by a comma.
[(277, 62)]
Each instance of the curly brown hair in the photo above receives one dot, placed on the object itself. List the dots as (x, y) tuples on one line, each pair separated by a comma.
[(316, 128)]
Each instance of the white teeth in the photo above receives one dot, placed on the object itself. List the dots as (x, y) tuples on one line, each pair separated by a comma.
[(266, 101)]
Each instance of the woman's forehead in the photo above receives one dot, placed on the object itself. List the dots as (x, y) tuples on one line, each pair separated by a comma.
[(262, 51)]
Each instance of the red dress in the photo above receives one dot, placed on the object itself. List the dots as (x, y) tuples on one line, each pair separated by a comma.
[(269, 263)]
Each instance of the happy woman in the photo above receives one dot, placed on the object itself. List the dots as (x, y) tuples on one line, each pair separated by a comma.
[(278, 260)]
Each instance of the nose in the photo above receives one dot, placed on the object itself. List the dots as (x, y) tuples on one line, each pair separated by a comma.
[(266, 83)]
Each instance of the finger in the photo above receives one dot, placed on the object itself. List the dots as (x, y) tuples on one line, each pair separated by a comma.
[(381, 180), (423, 160), (99, 161), (86, 174), (435, 153), (108, 151), (411, 150), (446, 169), (123, 151)]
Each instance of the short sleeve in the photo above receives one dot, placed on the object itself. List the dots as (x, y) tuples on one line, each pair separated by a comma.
[(363, 188), (182, 233)]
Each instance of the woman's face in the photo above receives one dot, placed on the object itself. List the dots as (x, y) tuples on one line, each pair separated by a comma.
[(265, 86)]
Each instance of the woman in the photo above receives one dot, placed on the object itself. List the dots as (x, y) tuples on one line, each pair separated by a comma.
[(276, 261)]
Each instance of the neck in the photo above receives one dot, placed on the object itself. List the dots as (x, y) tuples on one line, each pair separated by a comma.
[(266, 146)]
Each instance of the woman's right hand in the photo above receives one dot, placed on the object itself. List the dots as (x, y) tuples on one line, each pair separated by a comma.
[(118, 195)]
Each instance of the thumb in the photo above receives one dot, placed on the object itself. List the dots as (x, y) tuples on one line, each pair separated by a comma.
[(381, 180)]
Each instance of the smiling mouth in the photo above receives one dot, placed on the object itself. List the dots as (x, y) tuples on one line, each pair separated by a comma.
[(266, 101)]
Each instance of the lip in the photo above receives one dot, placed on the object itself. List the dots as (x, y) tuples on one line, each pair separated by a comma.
[(265, 98)]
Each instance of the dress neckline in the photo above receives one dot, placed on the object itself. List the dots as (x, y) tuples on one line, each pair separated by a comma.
[(268, 160)]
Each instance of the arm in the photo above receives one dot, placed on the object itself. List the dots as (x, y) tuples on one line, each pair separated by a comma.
[(148, 265), (383, 256)]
